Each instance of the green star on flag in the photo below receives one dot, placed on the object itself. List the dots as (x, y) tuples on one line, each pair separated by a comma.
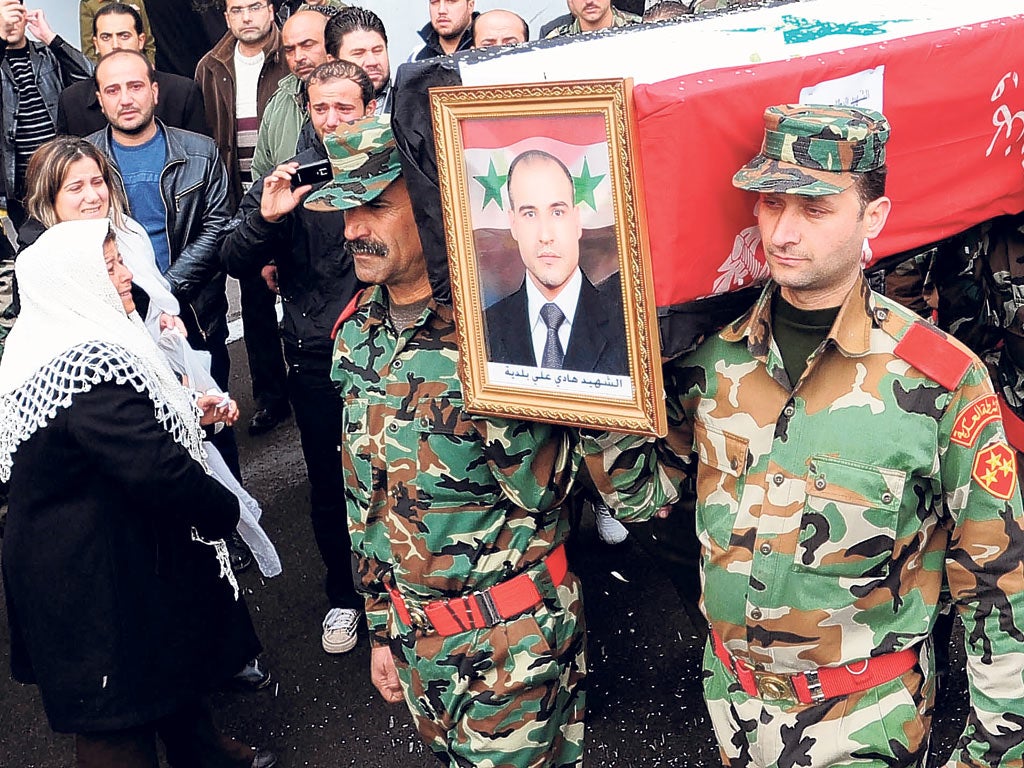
[(492, 184), (584, 186)]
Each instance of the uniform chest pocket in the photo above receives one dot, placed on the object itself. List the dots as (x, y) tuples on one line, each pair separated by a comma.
[(451, 469), (357, 450), (848, 523), (722, 465)]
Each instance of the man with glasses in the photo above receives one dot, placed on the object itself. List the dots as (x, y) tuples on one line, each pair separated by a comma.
[(302, 43), (237, 78)]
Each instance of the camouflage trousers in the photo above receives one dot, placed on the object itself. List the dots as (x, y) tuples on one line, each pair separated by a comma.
[(510, 696), (888, 725)]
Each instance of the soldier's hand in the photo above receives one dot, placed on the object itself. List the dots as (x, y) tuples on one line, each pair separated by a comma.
[(279, 199), (383, 674)]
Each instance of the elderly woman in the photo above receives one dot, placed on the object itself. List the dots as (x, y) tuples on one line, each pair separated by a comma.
[(121, 604), (70, 179)]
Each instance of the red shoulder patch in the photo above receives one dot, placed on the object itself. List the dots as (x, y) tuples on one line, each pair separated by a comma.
[(347, 312), (927, 349), (975, 417)]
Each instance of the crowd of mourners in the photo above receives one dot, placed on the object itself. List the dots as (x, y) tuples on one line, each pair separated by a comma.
[(848, 468)]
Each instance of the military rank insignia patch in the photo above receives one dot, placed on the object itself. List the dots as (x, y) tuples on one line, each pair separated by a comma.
[(995, 470), (974, 418)]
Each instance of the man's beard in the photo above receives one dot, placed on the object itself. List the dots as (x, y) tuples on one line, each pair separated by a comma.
[(136, 130)]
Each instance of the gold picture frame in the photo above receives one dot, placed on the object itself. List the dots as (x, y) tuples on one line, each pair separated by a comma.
[(575, 239)]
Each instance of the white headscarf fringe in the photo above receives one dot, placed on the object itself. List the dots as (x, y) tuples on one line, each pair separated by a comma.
[(32, 405), (73, 334)]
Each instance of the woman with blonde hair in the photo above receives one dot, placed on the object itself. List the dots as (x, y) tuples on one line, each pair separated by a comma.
[(69, 179)]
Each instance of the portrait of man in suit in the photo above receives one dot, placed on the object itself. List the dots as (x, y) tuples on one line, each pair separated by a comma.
[(557, 318)]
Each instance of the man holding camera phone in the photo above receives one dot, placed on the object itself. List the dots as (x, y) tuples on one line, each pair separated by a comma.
[(316, 280)]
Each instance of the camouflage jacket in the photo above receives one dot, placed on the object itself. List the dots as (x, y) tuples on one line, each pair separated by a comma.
[(619, 19), (283, 118), (703, 6), (979, 278), (826, 511), (439, 504)]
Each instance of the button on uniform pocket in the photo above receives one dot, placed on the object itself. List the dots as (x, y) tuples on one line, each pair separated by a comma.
[(722, 464), (356, 450), (848, 524)]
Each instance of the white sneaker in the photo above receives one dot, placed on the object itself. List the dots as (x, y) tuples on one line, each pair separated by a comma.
[(340, 630), (610, 530)]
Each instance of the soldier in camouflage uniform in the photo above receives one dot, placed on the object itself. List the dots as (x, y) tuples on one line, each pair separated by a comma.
[(456, 521), (845, 452), (586, 20)]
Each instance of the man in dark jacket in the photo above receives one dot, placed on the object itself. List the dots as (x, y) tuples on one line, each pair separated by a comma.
[(450, 29), (31, 78), (238, 77), (316, 281), (118, 26), (176, 188)]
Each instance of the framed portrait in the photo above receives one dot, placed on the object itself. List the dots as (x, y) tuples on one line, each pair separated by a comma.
[(550, 270)]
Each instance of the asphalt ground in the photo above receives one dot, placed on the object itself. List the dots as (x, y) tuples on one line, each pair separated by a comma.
[(644, 699)]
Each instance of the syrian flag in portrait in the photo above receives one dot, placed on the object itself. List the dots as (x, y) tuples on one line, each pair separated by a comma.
[(579, 141)]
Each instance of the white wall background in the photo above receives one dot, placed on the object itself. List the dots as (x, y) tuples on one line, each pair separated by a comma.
[(402, 18)]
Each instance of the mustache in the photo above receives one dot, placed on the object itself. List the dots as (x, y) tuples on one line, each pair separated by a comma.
[(365, 246)]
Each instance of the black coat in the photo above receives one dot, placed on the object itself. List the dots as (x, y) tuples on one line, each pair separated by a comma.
[(179, 105), (317, 279), (597, 343), (115, 613)]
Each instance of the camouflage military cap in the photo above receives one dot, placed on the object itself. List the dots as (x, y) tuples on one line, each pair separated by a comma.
[(815, 150), (364, 158), (326, 7)]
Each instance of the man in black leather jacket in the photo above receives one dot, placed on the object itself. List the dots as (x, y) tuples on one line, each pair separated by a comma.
[(187, 191), (316, 279)]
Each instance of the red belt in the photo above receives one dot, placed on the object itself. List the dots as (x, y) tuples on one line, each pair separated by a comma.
[(479, 610), (816, 685)]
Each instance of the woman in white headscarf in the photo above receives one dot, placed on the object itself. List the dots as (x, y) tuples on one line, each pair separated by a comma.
[(121, 604), (69, 179)]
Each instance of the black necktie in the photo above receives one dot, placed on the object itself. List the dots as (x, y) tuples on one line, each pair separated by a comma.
[(553, 318)]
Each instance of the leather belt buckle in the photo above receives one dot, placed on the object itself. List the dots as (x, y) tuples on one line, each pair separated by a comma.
[(774, 687)]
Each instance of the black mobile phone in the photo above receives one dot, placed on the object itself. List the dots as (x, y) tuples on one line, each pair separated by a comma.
[(312, 173)]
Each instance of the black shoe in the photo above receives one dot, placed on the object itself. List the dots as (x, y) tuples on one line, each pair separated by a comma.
[(265, 419), (253, 677), (238, 553), (264, 759)]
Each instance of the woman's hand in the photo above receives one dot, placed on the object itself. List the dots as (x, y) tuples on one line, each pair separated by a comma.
[(217, 408), (168, 322)]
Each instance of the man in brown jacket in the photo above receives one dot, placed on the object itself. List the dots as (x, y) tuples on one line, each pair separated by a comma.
[(237, 78)]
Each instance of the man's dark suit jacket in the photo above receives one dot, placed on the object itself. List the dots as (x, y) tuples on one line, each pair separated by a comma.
[(597, 343), (179, 105)]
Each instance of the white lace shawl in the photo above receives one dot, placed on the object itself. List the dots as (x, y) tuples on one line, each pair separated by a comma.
[(73, 334)]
